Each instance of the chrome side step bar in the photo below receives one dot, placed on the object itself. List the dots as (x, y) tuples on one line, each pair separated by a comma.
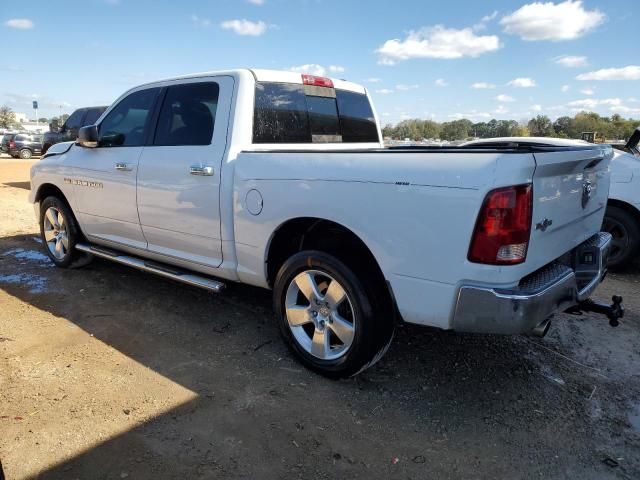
[(166, 271)]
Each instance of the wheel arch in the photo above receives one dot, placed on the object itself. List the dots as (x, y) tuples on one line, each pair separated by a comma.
[(626, 206), (295, 234), (312, 233), (48, 190)]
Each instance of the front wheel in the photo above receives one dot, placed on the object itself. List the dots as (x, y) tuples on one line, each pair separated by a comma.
[(331, 320), (59, 232), (25, 154)]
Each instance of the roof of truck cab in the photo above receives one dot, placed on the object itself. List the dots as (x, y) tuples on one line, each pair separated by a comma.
[(261, 75)]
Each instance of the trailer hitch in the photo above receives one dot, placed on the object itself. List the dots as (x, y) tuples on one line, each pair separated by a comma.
[(614, 312)]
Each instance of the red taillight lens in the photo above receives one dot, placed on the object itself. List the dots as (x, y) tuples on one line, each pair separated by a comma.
[(12, 144), (501, 236), (316, 81)]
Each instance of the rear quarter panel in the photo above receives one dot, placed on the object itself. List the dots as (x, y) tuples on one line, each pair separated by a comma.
[(415, 212)]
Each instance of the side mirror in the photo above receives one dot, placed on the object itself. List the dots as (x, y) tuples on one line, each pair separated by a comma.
[(88, 136)]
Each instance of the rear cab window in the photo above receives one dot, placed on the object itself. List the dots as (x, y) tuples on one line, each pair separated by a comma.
[(297, 113)]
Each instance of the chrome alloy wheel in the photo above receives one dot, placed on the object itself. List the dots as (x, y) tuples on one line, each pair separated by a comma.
[(320, 314), (55, 233)]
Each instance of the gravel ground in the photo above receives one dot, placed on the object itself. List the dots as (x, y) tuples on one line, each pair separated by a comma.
[(107, 372)]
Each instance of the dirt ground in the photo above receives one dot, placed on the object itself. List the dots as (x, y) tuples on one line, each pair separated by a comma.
[(106, 372)]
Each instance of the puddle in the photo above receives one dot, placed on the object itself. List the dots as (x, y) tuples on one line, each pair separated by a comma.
[(29, 255), (36, 283)]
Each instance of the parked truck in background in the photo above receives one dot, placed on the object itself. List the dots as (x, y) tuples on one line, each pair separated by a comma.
[(69, 129), (281, 181)]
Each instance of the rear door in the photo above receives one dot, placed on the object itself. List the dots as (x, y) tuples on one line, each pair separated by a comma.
[(179, 173), (570, 188)]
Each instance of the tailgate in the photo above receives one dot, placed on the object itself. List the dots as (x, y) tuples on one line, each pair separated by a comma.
[(570, 192)]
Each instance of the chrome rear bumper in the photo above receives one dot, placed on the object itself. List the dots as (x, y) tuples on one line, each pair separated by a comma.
[(552, 289)]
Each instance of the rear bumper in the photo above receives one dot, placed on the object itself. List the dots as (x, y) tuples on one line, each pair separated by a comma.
[(552, 289)]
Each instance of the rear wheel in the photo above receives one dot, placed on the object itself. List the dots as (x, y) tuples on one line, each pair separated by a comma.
[(625, 231), (59, 232), (329, 318), (26, 154)]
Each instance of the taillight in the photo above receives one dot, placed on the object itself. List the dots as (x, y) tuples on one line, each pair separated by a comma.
[(501, 236), (12, 144), (316, 81)]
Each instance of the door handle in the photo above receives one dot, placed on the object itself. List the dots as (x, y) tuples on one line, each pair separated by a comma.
[(123, 167), (203, 170)]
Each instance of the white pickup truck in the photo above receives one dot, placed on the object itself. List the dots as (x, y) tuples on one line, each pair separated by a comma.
[(280, 180)]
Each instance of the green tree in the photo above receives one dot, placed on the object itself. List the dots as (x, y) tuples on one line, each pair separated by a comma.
[(540, 126), (7, 117), (564, 127), (456, 130)]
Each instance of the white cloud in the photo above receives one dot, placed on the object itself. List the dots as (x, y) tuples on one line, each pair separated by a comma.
[(594, 102), (482, 24), (318, 70), (571, 61), (19, 23), (200, 22), (310, 68), (501, 110), (403, 88), (549, 21), (488, 18), (630, 72), (505, 98), (256, 2), (372, 80), (482, 85), (522, 82), (441, 82), (625, 109), (564, 88), (471, 115), (437, 42), (536, 108), (384, 91), (587, 91), (245, 27)]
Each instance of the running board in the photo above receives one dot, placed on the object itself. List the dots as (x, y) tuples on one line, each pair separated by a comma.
[(163, 270)]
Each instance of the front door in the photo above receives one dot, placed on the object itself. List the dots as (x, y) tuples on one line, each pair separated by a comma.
[(179, 172), (104, 178)]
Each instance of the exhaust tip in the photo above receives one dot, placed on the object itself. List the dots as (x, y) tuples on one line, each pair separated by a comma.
[(542, 329)]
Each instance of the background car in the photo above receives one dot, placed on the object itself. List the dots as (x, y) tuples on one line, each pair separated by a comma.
[(69, 129), (6, 138), (25, 145), (622, 218)]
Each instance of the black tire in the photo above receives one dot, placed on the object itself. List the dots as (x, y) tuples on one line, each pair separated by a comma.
[(373, 322), (624, 228), (70, 254), (26, 154)]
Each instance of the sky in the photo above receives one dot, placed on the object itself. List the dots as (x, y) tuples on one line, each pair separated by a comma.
[(419, 59)]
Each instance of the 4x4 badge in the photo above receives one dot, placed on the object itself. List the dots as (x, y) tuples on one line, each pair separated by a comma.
[(544, 224)]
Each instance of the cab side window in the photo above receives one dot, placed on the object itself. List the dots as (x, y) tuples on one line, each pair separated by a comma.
[(92, 115), (74, 122), (126, 124), (188, 114)]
